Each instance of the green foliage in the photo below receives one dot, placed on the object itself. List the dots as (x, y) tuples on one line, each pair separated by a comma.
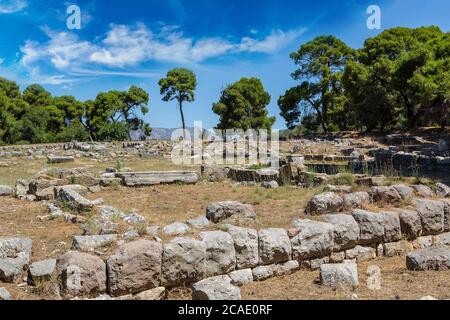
[(179, 84), (400, 79), (34, 116), (320, 92), (243, 105)]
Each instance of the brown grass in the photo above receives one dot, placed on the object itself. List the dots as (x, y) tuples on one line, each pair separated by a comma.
[(397, 284), (165, 204)]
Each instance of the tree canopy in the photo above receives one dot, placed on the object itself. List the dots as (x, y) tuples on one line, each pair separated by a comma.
[(399, 79), (243, 105), (179, 84), (320, 64), (35, 116)]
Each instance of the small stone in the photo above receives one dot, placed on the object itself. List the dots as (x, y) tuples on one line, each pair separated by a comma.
[(373, 281), (152, 294), (199, 222), (339, 275), (41, 271), (361, 254), (262, 273), (89, 243), (4, 294), (176, 229), (241, 277), (216, 288), (286, 268)]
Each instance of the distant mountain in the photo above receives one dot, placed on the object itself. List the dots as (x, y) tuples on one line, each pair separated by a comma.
[(157, 134)]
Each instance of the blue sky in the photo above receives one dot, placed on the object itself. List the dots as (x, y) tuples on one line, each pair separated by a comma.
[(122, 43)]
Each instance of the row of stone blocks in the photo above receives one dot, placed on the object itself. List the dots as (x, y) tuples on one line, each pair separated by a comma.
[(141, 265)]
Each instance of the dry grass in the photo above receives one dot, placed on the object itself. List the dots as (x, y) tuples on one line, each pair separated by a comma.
[(27, 168), (165, 204), (397, 284), (50, 238)]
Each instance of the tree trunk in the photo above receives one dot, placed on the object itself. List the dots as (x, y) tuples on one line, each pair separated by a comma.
[(182, 118)]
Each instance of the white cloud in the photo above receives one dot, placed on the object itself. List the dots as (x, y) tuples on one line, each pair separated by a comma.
[(271, 43), (129, 46), (12, 6), (1, 60)]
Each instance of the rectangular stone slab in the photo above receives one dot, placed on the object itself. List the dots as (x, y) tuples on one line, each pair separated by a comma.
[(132, 179), (60, 159)]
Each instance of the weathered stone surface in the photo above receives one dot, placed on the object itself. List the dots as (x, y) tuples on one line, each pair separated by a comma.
[(436, 258), (89, 243), (442, 190), (315, 239), (183, 261), (176, 229), (81, 274), (6, 191), (45, 194), (269, 184), (385, 194), (431, 213), (411, 224), (198, 223), (267, 174), (286, 268), (135, 267), (220, 252), (231, 212), (216, 288), (214, 173), (21, 188), (41, 271), (392, 228), (327, 202), (14, 258), (262, 273), (404, 191), (445, 238), (37, 185), (355, 200), (339, 189), (4, 294), (446, 203), (314, 264), (422, 190), (60, 159), (158, 293), (242, 175), (337, 257), (274, 246), (399, 248), (13, 247), (246, 246), (339, 275), (370, 225), (370, 181), (134, 179), (361, 254), (423, 242), (74, 199), (346, 231), (241, 277)]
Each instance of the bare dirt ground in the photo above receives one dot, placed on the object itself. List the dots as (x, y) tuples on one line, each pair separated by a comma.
[(397, 284)]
